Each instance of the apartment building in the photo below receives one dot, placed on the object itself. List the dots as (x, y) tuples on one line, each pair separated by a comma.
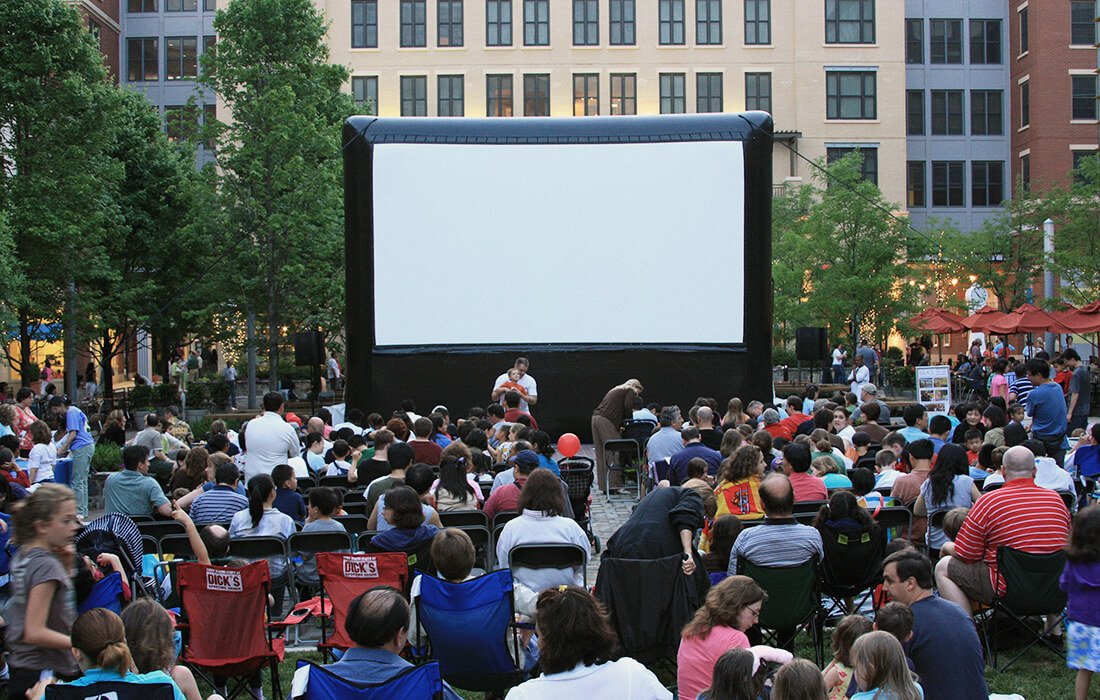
[(957, 76), (102, 20), (831, 72), (161, 45), (1053, 61)]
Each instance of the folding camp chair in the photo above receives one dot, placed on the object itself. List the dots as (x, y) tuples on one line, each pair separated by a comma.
[(467, 625), (794, 602), (114, 690), (549, 556), (224, 623), (415, 683), (852, 565), (419, 557), (345, 576), (1031, 590)]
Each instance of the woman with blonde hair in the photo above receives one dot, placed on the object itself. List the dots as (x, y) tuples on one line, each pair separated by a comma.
[(730, 608), (114, 429), (881, 670), (738, 490), (731, 440), (99, 645), (735, 414)]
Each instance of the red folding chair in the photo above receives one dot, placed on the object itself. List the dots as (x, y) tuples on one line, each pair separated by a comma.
[(223, 617), (345, 576)]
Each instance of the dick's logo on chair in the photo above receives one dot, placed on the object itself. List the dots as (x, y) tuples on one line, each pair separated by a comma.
[(220, 580), (355, 567)]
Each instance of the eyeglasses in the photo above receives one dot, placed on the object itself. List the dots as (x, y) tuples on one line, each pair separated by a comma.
[(754, 611)]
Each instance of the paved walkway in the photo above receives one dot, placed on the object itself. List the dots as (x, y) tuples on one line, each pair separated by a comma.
[(606, 517)]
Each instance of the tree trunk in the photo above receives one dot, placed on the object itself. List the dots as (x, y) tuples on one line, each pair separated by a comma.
[(71, 370), (251, 340), (105, 373), (25, 348)]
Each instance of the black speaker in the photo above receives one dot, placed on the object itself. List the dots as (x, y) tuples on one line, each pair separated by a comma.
[(811, 344), (309, 349)]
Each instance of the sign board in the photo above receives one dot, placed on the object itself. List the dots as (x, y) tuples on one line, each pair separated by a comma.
[(934, 389)]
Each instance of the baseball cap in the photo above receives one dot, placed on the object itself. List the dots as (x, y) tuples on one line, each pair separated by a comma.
[(293, 418), (870, 389), (525, 458)]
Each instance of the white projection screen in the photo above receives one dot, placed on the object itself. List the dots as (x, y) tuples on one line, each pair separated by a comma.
[(578, 243)]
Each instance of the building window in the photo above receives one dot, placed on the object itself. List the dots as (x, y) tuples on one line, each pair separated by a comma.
[(498, 95), (869, 168), (1025, 104), (141, 60), (670, 16), (209, 118), (449, 23), (849, 21), (1082, 27), (94, 29), (985, 41), (624, 90), (586, 23), (987, 183), (180, 5), (708, 92), (536, 95), (1083, 105), (1079, 158), (586, 95), (945, 40), (209, 5), (758, 22), (1025, 171), (915, 184), (209, 44), (708, 22), (364, 24), (451, 95), (536, 24), (947, 112), (181, 57), (414, 30), (141, 5), (914, 112), (850, 95), (672, 93), (948, 186), (498, 22), (914, 41), (1023, 30), (364, 90), (986, 112), (414, 96), (622, 22), (181, 122), (758, 91)]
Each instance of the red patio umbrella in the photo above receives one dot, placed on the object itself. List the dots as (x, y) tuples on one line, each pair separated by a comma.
[(1027, 318), (979, 321), (1083, 320), (938, 322)]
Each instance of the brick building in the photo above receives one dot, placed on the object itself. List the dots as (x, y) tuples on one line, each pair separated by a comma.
[(102, 20)]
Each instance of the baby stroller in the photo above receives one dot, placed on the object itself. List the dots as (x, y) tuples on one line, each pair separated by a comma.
[(116, 534), (578, 475)]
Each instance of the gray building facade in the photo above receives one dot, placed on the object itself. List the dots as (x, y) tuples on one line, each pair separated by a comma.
[(957, 110)]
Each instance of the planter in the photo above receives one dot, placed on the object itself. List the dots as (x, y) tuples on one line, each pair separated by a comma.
[(195, 414)]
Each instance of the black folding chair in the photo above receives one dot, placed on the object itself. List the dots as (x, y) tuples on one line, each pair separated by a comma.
[(549, 556), (356, 508), (314, 542), (338, 482), (354, 497), (483, 543), (809, 506), (459, 518), (794, 602), (160, 528), (354, 523), (1031, 590)]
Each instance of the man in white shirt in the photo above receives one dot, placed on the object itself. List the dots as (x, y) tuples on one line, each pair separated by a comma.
[(270, 440), (859, 375), (838, 363), (334, 376), (530, 391)]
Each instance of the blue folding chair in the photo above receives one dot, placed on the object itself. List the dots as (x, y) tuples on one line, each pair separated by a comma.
[(467, 624), (106, 593), (416, 683)]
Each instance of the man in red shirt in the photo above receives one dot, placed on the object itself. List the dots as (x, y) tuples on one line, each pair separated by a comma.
[(1019, 515), (512, 411), (796, 465), (426, 451), (795, 416), (506, 498)]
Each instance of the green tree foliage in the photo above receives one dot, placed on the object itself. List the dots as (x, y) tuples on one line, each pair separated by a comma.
[(840, 255), (1076, 214), (279, 162)]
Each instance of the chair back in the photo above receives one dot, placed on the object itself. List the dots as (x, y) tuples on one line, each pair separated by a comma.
[(345, 576), (638, 431), (113, 690), (458, 518), (258, 547), (355, 497), (314, 542), (792, 592), (338, 482), (467, 624), (891, 517), (212, 595), (356, 509), (149, 545), (549, 556), (176, 546), (1031, 581), (1070, 499), (503, 517), (354, 523), (305, 483), (416, 683), (809, 506), (483, 543), (852, 562), (160, 528)]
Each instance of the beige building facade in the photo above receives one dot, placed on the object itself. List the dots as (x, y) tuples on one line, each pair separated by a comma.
[(831, 72)]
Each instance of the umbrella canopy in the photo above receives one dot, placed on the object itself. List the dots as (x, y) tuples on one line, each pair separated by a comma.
[(937, 321), (1083, 320), (1027, 318), (979, 321)]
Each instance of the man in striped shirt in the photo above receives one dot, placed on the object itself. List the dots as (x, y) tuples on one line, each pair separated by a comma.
[(1019, 515)]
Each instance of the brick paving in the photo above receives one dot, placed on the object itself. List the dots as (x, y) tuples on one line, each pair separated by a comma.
[(606, 517)]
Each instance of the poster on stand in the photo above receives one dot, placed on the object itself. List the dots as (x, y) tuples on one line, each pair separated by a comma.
[(934, 389)]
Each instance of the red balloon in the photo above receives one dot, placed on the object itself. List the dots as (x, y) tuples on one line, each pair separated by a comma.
[(569, 444)]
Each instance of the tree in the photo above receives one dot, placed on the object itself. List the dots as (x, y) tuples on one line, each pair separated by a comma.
[(1076, 213), (851, 252), (55, 176), (280, 162), (790, 273)]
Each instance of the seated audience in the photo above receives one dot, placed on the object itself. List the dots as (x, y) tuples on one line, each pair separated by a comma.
[(287, 498), (826, 469), (323, 503), (881, 671), (150, 635), (721, 536), (948, 486), (780, 541), (796, 465), (409, 529), (454, 490), (223, 501), (738, 490), (840, 672), (424, 450), (262, 519), (799, 680), (693, 447)]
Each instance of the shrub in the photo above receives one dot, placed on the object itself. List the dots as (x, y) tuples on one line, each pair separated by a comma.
[(218, 392), (107, 458), (165, 394)]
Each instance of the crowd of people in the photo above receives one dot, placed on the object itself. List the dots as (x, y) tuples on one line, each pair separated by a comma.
[(997, 472)]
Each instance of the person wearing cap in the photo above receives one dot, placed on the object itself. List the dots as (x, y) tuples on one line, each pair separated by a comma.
[(506, 498), (869, 392)]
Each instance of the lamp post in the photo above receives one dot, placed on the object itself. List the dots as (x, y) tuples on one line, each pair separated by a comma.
[(1048, 273)]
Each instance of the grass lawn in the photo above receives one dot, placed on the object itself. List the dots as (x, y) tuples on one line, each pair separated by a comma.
[(1038, 675)]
